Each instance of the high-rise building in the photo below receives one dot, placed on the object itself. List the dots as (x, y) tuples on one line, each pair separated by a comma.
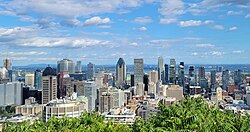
[(237, 77), (138, 75), (213, 78), (64, 85), (118, 97), (172, 75), (38, 80), (66, 65), (161, 69), (120, 73), (49, 85), (146, 81), (132, 80), (219, 68), (11, 93), (90, 91), (166, 74), (225, 79), (29, 80), (192, 76), (181, 74), (153, 76), (8, 65), (78, 67), (106, 102), (90, 71), (201, 72)]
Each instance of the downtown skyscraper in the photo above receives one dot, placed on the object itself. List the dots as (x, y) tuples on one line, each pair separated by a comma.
[(172, 69), (138, 76), (66, 65), (120, 72), (181, 74), (161, 69), (90, 71)]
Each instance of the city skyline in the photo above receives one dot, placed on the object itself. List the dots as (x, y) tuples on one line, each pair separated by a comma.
[(197, 32)]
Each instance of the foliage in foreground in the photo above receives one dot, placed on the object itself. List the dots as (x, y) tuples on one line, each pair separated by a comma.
[(188, 115)]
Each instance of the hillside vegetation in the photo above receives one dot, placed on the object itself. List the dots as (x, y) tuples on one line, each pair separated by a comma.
[(188, 115)]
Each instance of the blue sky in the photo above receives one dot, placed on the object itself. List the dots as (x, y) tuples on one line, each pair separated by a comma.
[(101, 31)]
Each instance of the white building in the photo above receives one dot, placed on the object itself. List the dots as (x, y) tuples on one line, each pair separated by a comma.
[(11, 93), (29, 80), (90, 91), (122, 116), (62, 107), (118, 97), (248, 99)]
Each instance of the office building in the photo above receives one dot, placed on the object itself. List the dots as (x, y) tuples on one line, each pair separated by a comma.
[(29, 80), (152, 88), (219, 68), (78, 67), (192, 76), (61, 107), (64, 85), (201, 72), (172, 75), (153, 76), (146, 81), (49, 85), (11, 93), (238, 77), (90, 71), (66, 65), (118, 97), (132, 83), (181, 74), (38, 80), (213, 77), (138, 75), (90, 91), (161, 74), (225, 79), (174, 91), (8, 65), (166, 74), (120, 73), (106, 102)]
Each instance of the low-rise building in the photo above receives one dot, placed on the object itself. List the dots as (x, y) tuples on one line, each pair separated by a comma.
[(29, 108), (62, 107), (120, 115)]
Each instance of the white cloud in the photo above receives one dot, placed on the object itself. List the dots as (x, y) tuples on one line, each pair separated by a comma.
[(234, 12), (172, 7), (233, 28), (194, 54), (190, 23), (204, 45), (140, 29), (104, 26), (247, 16), (70, 8), (23, 53), (143, 20), (238, 51), (167, 20), (217, 53), (218, 27), (134, 44), (96, 21)]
